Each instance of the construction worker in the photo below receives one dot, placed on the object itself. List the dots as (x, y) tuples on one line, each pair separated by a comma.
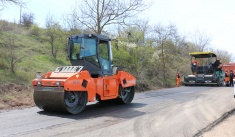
[(194, 66), (195, 63), (218, 67), (226, 73), (178, 79), (231, 76), (227, 79)]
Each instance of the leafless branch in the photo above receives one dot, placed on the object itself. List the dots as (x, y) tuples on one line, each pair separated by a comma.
[(200, 40), (3, 3), (97, 14)]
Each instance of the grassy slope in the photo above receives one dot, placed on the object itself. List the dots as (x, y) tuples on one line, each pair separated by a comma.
[(15, 89), (36, 53)]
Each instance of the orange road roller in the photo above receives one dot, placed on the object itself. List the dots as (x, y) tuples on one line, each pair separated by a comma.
[(91, 77)]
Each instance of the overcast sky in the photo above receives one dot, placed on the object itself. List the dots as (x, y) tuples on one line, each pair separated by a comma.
[(215, 18)]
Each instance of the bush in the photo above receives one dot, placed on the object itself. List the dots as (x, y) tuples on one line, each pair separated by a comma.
[(34, 30)]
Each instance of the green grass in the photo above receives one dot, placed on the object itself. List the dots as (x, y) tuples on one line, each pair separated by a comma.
[(34, 50)]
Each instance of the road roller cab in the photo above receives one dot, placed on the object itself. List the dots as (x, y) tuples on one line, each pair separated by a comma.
[(92, 77)]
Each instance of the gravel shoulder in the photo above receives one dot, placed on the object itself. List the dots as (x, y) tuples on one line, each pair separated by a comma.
[(223, 129)]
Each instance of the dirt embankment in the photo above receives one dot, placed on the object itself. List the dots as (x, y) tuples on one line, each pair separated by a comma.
[(15, 96)]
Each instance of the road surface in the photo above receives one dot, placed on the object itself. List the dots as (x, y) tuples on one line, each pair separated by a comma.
[(178, 112)]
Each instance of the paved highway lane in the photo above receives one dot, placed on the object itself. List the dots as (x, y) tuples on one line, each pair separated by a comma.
[(177, 112)]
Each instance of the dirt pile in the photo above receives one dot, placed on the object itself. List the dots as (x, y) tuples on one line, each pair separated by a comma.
[(15, 96)]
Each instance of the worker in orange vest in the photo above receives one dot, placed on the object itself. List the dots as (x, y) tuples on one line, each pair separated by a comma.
[(227, 80), (178, 79), (226, 73), (195, 62), (194, 66)]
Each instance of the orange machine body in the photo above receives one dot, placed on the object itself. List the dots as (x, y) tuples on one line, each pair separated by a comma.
[(106, 87)]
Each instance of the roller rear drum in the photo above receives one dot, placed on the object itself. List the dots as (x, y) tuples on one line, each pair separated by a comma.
[(56, 99)]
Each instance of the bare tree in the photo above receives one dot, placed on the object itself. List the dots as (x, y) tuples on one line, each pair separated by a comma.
[(96, 15), (135, 34), (55, 35), (200, 40), (17, 2), (225, 56), (71, 23), (9, 46), (143, 26), (3, 3), (162, 35)]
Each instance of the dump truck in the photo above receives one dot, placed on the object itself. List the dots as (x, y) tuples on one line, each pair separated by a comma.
[(91, 77), (228, 67), (204, 70)]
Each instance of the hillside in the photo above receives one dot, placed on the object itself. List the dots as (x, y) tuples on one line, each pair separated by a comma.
[(22, 54), (29, 52)]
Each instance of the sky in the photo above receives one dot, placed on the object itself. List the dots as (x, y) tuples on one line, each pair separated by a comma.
[(214, 18)]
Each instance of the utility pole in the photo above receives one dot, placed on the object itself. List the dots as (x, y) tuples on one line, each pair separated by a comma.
[(20, 12)]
